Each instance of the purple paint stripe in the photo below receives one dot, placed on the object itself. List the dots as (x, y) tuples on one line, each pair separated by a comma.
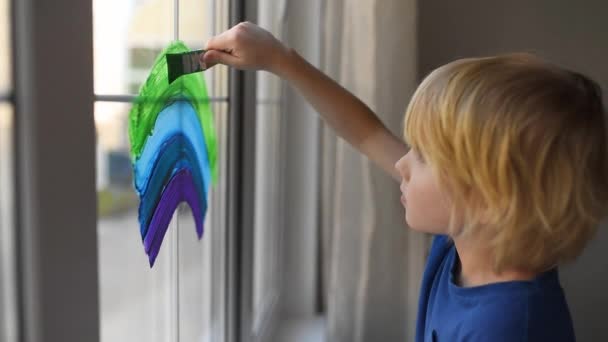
[(181, 187)]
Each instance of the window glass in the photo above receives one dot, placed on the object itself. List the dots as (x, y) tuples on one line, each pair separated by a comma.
[(202, 263), (182, 297), (135, 301), (128, 34), (7, 272), (8, 313), (5, 51), (139, 302), (194, 25)]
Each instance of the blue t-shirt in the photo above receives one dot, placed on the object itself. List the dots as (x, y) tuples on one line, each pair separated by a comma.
[(524, 311)]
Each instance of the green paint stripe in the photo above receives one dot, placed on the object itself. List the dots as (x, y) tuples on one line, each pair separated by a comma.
[(156, 93)]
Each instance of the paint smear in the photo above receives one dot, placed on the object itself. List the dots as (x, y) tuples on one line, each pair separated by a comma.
[(173, 150)]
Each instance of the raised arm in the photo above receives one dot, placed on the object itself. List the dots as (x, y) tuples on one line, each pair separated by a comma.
[(247, 46)]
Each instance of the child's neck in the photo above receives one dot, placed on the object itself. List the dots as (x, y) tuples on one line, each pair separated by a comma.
[(476, 267)]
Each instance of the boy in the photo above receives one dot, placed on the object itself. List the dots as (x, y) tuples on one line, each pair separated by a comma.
[(507, 167)]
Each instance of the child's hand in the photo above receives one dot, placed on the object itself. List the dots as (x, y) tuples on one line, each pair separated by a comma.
[(245, 46)]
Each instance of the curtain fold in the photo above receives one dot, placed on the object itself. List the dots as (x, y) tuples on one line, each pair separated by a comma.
[(372, 263)]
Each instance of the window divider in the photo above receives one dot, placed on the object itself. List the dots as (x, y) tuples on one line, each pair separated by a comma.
[(132, 98)]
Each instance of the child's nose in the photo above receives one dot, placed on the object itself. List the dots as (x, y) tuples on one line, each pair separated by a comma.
[(402, 167)]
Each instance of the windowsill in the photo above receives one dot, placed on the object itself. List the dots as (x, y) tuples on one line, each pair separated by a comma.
[(310, 329)]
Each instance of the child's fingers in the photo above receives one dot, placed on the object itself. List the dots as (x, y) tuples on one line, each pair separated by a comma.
[(223, 41), (206, 66), (213, 57), (216, 43), (228, 40)]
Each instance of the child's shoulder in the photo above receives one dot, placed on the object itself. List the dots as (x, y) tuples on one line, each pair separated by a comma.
[(528, 311), (537, 316), (499, 320), (500, 313)]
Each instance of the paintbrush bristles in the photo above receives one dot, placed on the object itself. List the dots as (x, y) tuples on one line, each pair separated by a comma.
[(179, 64)]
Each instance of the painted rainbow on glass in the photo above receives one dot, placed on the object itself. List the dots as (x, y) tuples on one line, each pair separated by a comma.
[(173, 150)]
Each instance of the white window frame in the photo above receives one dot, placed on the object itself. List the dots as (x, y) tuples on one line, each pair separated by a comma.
[(55, 171)]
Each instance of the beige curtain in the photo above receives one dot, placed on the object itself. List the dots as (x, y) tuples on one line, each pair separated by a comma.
[(371, 263)]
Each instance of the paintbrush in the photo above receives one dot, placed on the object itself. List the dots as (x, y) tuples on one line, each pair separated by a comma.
[(179, 64)]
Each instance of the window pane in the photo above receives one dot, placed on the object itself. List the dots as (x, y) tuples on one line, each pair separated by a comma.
[(128, 34), (183, 295), (127, 41), (135, 300), (217, 217), (8, 313), (202, 263), (5, 51), (139, 303), (194, 25), (7, 272)]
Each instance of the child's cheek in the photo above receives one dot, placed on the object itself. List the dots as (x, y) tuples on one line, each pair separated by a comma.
[(424, 210)]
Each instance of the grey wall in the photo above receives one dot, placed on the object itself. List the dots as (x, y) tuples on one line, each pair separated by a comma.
[(574, 34)]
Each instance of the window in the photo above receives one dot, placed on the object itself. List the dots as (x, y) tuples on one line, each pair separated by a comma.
[(5, 49), (209, 290), (182, 297), (7, 272)]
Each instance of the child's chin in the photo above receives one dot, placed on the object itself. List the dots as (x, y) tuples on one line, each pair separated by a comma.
[(422, 229), (413, 225), (417, 229)]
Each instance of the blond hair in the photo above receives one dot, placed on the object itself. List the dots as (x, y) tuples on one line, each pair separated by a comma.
[(520, 146)]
